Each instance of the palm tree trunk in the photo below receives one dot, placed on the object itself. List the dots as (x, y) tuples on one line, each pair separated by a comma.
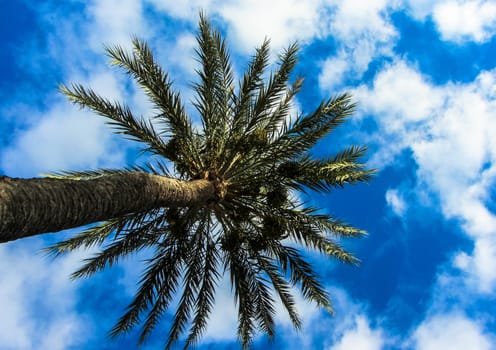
[(39, 205)]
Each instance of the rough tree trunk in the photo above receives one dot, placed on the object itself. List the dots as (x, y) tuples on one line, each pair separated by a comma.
[(33, 206)]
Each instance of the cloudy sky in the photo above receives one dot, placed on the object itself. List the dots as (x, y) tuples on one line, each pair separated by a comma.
[(424, 75)]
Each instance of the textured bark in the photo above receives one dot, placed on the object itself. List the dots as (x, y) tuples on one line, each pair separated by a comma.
[(33, 206)]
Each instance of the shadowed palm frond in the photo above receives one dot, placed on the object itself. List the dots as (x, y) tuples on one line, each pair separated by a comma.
[(158, 286), (132, 241), (192, 280), (242, 280), (306, 130), (206, 295), (98, 234), (283, 289), (303, 273)]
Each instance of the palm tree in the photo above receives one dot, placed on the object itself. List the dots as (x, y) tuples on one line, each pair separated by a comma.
[(211, 201)]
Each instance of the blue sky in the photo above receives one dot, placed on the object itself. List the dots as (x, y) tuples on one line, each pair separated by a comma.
[(424, 75)]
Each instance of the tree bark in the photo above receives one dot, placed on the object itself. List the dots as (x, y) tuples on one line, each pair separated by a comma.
[(39, 205)]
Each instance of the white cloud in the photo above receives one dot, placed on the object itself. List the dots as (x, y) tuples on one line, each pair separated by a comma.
[(54, 152), (362, 27), (38, 300), (280, 20), (403, 102), (397, 203), (458, 161), (351, 325), (184, 54), (449, 131), (461, 21), (186, 9), (364, 32), (334, 70), (61, 333), (450, 331), (223, 322), (420, 9), (63, 139), (458, 21), (354, 19), (126, 19), (361, 336), (400, 94), (479, 266)]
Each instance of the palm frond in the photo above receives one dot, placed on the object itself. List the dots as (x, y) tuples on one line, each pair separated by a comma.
[(265, 307), (304, 133), (121, 117), (248, 88), (141, 65), (262, 112), (155, 82), (206, 295), (242, 280), (324, 174), (156, 167), (281, 115), (135, 239), (269, 97), (310, 231), (214, 91), (302, 272), (283, 289), (98, 234), (158, 285), (192, 282)]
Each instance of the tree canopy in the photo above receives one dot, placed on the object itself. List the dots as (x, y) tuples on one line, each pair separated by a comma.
[(257, 155)]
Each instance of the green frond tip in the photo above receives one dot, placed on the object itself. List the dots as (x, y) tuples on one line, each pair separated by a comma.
[(340, 254), (346, 230)]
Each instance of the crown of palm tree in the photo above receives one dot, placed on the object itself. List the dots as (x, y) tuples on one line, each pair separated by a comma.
[(256, 157)]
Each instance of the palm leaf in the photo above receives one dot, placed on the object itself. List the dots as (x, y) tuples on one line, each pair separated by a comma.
[(121, 117), (206, 295), (157, 287), (192, 283), (283, 289)]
